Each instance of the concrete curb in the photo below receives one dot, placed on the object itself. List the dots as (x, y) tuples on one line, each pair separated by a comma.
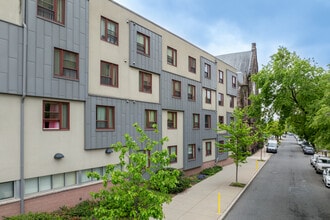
[(223, 215)]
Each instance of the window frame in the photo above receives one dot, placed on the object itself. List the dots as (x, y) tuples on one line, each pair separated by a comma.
[(147, 122), (207, 123), (142, 87), (59, 121), (207, 71), (208, 92), (172, 56), (176, 93), (191, 96), (221, 76), (191, 64), (107, 118), (233, 81), (208, 148), (221, 119), (196, 125), (232, 102), (174, 124), (170, 151), (54, 12), (60, 73), (221, 98), (112, 39), (113, 74), (193, 152), (145, 46)]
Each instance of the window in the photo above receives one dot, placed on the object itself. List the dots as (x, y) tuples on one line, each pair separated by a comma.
[(143, 44), (6, 190), (176, 89), (66, 64), (171, 120), (150, 118), (109, 74), (207, 71), (231, 104), (208, 148), (173, 150), (55, 115), (221, 148), (109, 31), (145, 82), (171, 56), (53, 10), (191, 92), (105, 117), (191, 152), (207, 121), (220, 76), (208, 96), (233, 81), (221, 119), (192, 64), (220, 99), (196, 121)]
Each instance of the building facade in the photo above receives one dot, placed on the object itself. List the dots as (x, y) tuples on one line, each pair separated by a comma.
[(76, 75)]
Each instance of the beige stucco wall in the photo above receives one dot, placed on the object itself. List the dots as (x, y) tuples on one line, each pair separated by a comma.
[(10, 11), (41, 146), (9, 137), (175, 137)]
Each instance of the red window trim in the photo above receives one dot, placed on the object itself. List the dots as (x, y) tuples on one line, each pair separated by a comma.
[(60, 116), (107, 118), (145, 52), (106, 32), (141, 81), (174, 56), (61, 67), (117, 74), (55, 13)]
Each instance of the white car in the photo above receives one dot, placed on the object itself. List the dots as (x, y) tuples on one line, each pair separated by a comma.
[(321, 164), (313, 159), (326, 177)]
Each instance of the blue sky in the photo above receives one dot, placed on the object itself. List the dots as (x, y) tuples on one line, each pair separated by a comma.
[(220, 27)]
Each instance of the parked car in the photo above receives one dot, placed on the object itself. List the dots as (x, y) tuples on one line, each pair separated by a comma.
[(308, 150), (326, 177), (313, 159), (271, 146), (321, 164)]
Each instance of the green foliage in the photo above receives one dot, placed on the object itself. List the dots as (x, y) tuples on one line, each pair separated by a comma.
[(291, 88), (211, 170), (239, 139), (83, 210), (132, 194), (35, 216)]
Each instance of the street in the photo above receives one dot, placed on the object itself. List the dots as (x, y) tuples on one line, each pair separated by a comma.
[(287, 188)]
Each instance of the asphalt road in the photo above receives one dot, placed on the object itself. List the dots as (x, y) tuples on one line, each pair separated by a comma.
[(286, 188)]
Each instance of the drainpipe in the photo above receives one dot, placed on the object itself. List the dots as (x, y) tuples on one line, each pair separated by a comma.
[(22, 182)]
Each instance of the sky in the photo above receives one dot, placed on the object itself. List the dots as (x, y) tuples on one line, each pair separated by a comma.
[(230, 26)]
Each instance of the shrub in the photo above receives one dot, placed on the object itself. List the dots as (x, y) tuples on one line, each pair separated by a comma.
[(35, 216), (211, 170)]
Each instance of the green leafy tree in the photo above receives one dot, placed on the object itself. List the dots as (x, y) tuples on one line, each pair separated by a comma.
[(289, 88), (321, 121), (275, 128), (238, 140), (132, 194)]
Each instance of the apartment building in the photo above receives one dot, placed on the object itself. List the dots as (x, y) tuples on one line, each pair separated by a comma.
[(76, 75)]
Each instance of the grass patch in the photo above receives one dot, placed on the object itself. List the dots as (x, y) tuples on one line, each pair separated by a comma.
[(236, 184)]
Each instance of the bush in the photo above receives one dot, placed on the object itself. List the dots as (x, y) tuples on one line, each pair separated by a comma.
[(211, 170), (83, 210), (34, 216)]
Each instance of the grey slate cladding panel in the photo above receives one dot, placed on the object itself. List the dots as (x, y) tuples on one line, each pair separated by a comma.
[(230, 90), (206, 82), (151, 63), (10, 58), (127, 112), (43, 37)]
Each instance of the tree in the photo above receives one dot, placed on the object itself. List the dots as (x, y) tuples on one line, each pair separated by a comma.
[(238, 140), (321, 121), (289, 87), (132, 194)]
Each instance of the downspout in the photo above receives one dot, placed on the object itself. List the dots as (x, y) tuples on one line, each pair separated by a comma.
[(22, 182)]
